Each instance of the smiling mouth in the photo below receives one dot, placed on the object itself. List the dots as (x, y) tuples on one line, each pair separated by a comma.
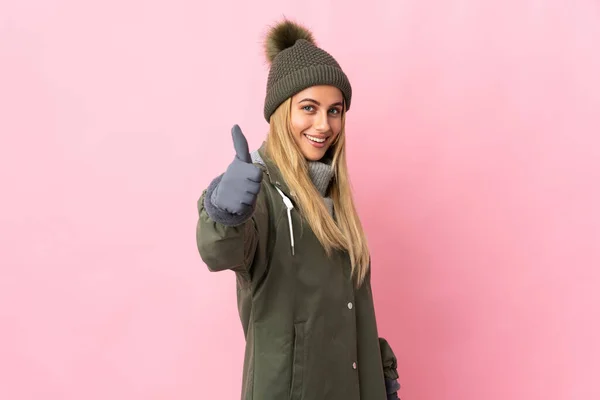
[(316, 139)]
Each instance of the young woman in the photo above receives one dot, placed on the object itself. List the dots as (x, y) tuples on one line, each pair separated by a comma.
[(283, 219)]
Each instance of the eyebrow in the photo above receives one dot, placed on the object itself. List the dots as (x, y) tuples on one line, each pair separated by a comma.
[(339, 103)]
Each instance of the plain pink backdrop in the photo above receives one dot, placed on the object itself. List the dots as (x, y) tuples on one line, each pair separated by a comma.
[(474, 152)]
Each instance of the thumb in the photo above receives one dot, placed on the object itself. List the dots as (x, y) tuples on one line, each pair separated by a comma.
[(240, 144)]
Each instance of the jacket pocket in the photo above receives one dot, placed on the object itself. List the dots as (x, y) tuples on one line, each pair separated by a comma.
[(298, 362)]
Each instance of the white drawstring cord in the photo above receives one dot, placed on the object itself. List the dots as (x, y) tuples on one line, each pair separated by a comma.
[(289, 206)]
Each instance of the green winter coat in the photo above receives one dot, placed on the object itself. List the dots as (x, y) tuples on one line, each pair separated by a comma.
[(310, 334)]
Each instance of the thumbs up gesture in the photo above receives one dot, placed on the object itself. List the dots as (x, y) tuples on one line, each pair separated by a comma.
[(240, 185)]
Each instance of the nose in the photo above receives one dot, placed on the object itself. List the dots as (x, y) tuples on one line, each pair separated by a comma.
[(322, 122)]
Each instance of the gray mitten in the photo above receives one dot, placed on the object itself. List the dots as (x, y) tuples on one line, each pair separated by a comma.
[(238, 189)]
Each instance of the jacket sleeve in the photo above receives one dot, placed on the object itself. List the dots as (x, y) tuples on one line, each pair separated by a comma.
[(382, 349), (390, 371), (226, 241)]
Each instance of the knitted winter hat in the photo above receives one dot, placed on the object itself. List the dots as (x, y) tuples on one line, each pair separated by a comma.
[(296, 64)]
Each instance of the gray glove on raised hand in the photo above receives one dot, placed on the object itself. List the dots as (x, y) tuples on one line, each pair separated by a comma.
[(238, 189)]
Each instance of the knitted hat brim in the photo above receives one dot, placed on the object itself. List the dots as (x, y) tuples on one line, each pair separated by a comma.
[(304, 78)]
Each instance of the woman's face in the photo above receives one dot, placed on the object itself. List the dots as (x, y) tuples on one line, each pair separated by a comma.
[(316, 119)]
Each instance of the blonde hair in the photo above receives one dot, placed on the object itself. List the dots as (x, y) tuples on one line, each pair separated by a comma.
[(347, 234)]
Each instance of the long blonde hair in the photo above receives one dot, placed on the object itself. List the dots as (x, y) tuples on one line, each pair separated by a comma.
[(347, 234)]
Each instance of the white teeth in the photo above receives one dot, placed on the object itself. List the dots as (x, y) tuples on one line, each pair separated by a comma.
[(314, 139)]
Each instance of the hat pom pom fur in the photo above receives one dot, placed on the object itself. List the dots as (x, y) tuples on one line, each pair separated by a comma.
[(284, 35)]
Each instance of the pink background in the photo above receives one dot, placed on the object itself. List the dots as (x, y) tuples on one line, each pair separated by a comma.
[(480, 118)]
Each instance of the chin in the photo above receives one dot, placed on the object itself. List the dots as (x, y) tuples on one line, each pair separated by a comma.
[(314, 155)]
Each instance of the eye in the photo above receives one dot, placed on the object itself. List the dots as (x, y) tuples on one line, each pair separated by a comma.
[(308, 108), (334, 111)]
